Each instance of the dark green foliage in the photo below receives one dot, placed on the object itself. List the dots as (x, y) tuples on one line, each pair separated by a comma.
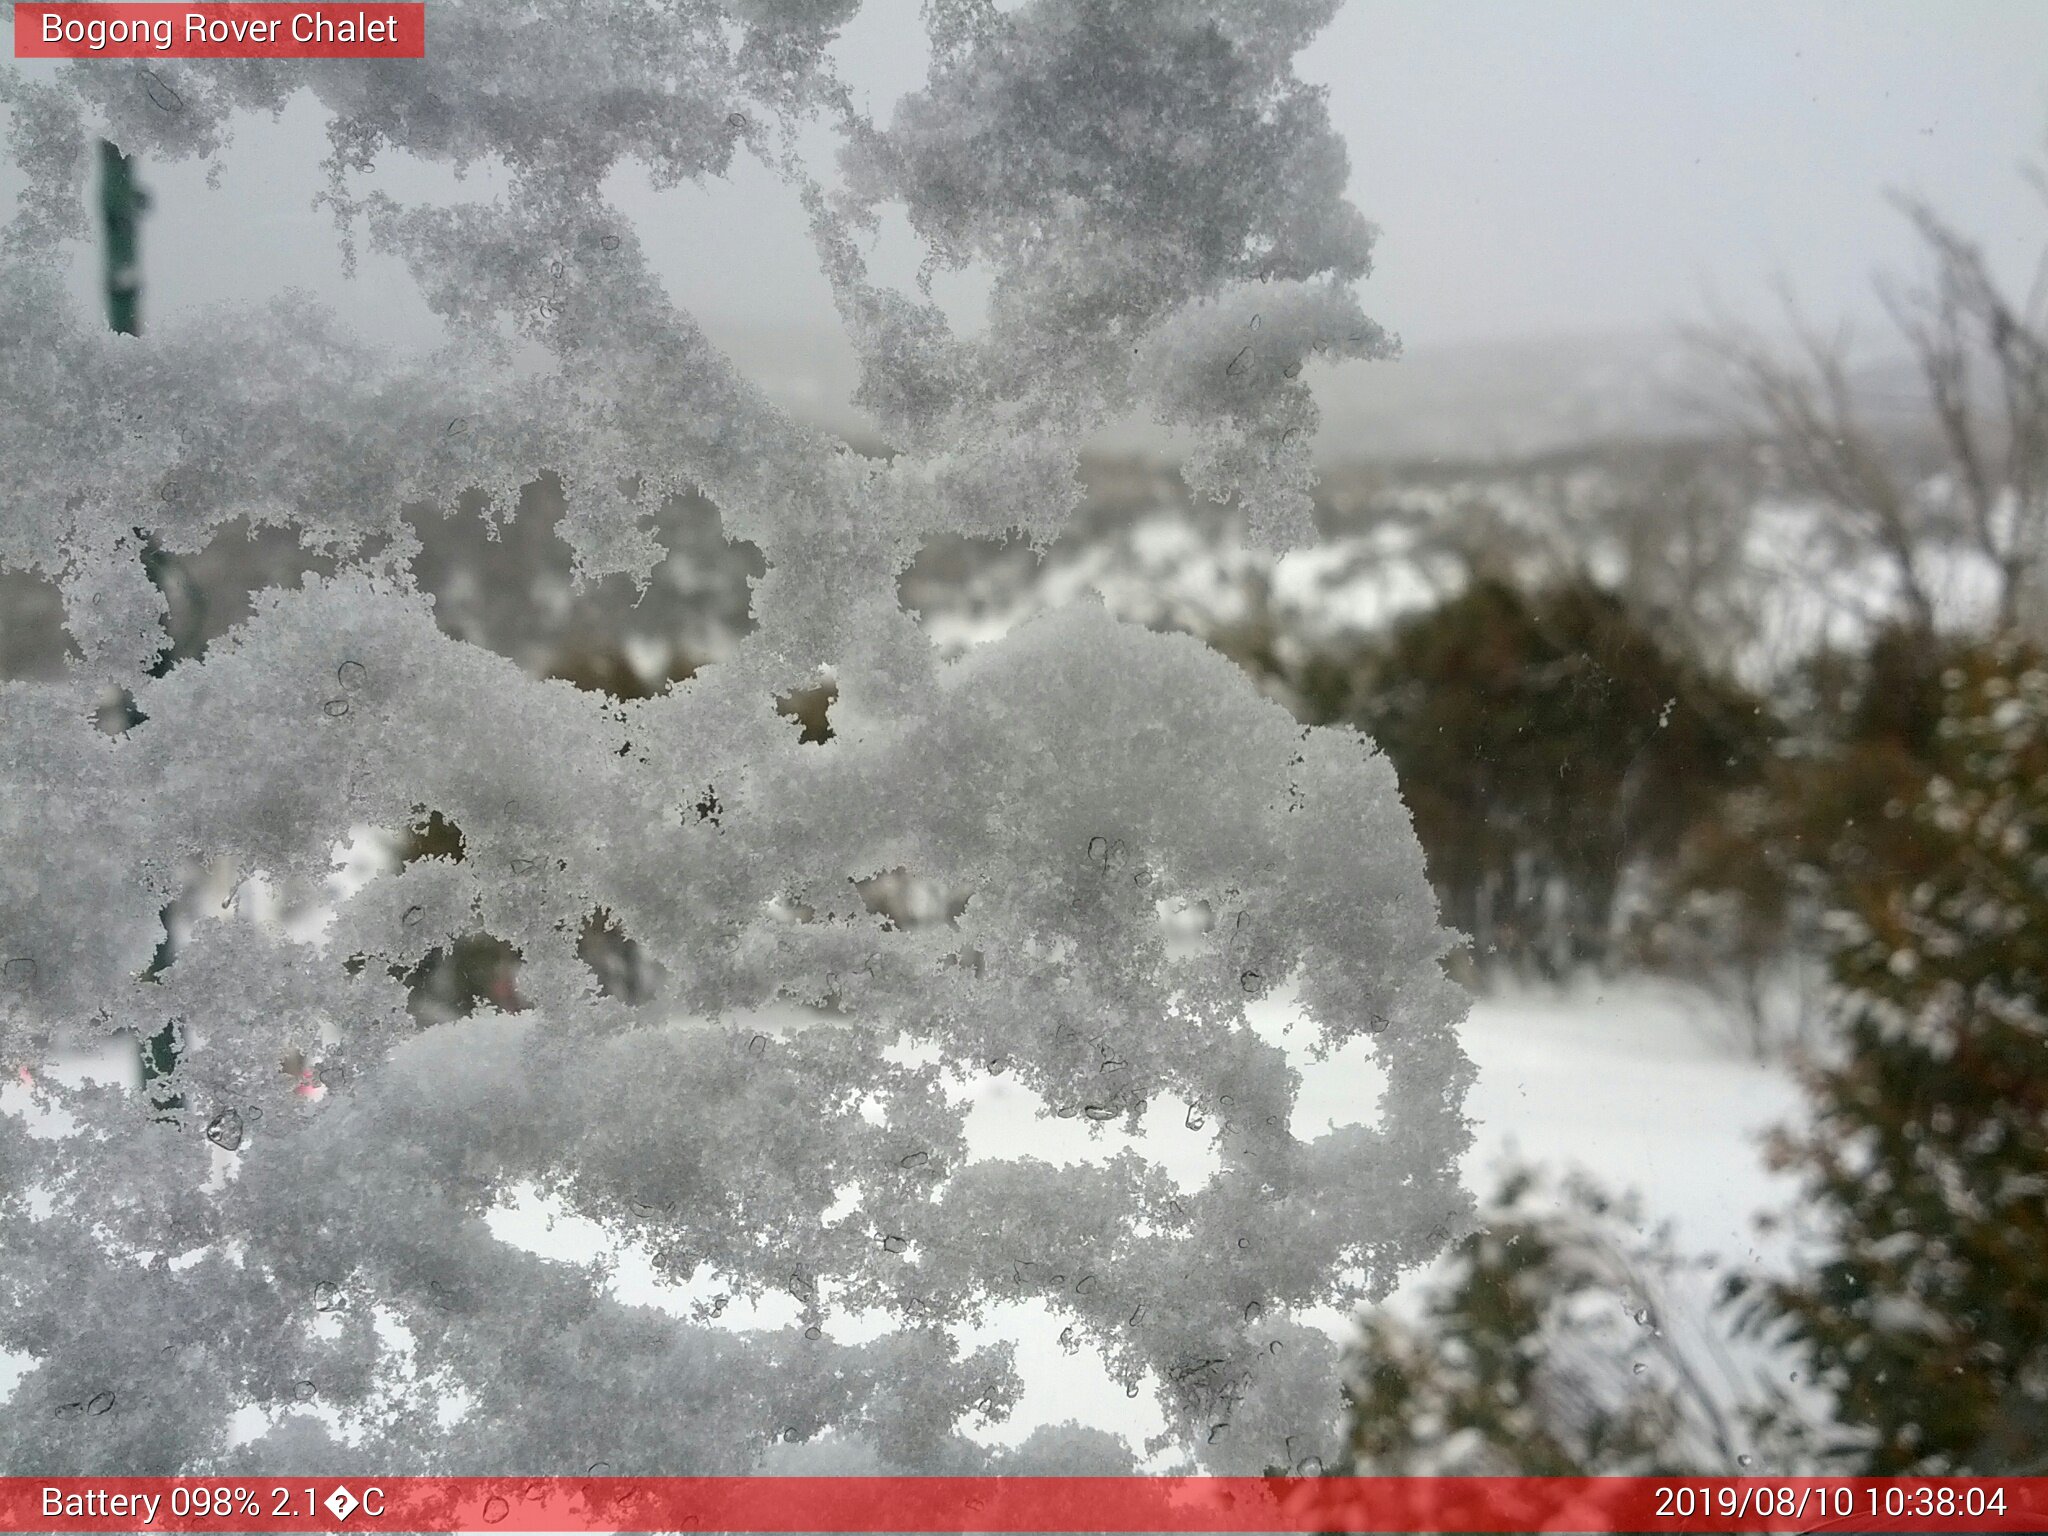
[(1927, 1157), (477, 968), (122, 204), (810, 708), (619, 963), (1759, 880), (1920, 1310), (453, 981), (1753, 882), (1549, 746), (430, 836)]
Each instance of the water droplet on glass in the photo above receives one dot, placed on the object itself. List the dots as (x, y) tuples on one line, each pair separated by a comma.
[(1742, 1461), (21, 970), (327, 1297), (457, 427), (1274, 1348), (224, 1130), (304, 1391), (998, 1065), (814, 1333), (598, 1469), (413, 916), (1253, 1311), (914, 1160), (610, 242), (69, 1410), (1244, 1242), (1642, 1316), (894, 1243), (1640, 1367), (100, 1404), (1084, 1285), (1196, 1120), (1309, 1466), (1131, 1390), (352, 675), (1216, 1431), (737, 121), (160, 93), (334, 709), (1249, 980), (495, 1509), (1100, 1111), (757, 1046), (1098, 850)]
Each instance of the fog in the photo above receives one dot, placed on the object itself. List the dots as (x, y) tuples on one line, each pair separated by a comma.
[(1559, 184)]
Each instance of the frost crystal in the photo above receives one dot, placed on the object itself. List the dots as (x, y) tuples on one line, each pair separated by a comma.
[(299, 1219)]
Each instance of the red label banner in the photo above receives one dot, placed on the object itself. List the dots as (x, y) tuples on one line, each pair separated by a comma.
[(1235, 1504), (204, 31)]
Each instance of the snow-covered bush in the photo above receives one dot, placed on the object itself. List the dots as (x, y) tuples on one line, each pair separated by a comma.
[(1157, 203), (1563, 1339), (1925, 1163)]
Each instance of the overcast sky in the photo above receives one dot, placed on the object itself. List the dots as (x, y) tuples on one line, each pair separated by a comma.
[(1538, 167)]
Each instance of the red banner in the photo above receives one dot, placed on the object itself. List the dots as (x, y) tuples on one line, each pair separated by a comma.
[(204, 31), (1334, 1504)]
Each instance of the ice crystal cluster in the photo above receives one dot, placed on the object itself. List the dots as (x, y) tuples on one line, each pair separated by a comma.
[(225, 1271)]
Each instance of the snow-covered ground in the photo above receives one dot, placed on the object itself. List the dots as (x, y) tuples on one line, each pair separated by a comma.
[(1640, 1083)]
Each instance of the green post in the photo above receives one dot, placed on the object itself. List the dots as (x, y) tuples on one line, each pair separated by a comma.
[(122, 204)]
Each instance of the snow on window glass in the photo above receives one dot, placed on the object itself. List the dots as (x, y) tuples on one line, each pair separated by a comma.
[(709, 951)]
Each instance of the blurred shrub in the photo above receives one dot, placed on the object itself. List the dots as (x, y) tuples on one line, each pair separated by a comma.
[(1746, 900), (480, 969), (1548, 1346), (1926, 1160), (1552, 750), (1914, 1338)]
